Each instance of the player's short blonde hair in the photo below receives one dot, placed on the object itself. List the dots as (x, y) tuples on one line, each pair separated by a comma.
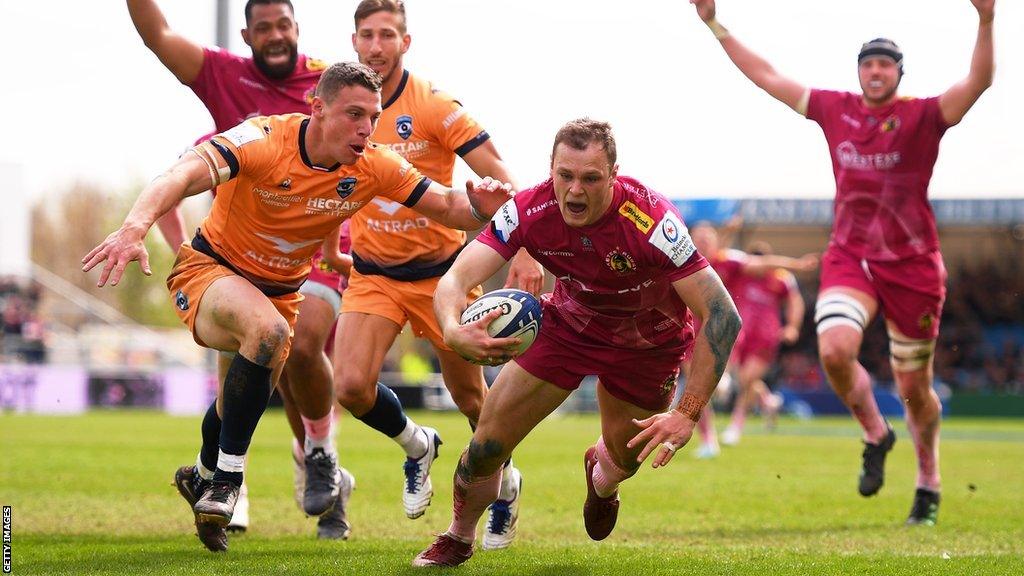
[(579, 133), (368, 8)]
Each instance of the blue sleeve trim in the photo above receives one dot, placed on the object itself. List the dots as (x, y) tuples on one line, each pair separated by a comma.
[(229, 156), (418, 192), (473, 144)]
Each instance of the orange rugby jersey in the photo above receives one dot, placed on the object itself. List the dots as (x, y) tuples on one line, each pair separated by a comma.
[(428, 128), (268, 221)]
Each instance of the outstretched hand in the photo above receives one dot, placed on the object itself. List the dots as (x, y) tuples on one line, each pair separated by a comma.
[(706, 9), (123, 246), (488, 195), (665, 432)]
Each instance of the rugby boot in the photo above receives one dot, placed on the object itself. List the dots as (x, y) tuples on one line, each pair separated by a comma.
[(446, 551), (418, 490), (217, 504), (925, 511), (322, 478), (599, 514), (240, 519), (503, 516), (333, 524), (872, 474), (191, 486)]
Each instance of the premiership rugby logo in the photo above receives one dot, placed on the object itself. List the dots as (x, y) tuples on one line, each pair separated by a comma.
[(346, 186), (403, 125), (620, 262)]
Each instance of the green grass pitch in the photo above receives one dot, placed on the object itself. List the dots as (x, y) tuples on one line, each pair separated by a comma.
[(93, 495)]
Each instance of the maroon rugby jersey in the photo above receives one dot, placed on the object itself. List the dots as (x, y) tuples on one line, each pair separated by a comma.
[(759, 299), (614, 277), (883, 160), (232, 88)]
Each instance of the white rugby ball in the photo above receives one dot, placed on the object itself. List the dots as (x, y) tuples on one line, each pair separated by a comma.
[(520, 315)]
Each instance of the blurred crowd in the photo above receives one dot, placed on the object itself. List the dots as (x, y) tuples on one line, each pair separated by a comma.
[(23, 334), (980, 348), (981, 341)]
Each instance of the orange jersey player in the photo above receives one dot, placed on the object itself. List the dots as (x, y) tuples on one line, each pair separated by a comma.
[(399, 256), (286, 183), (429, 129)]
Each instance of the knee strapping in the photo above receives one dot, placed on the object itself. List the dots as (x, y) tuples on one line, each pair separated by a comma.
[(910, 355), (839, 309)]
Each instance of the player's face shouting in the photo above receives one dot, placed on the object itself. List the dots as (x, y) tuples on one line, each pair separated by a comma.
[(380, 43), (583, 182), (348, 122), (879, 78), (273, 36)]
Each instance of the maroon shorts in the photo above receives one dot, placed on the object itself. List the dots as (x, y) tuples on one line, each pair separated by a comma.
[(644, 378), (910, 292)]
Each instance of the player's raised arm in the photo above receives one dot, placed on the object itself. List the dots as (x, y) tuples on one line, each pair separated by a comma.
[(704, 294), (956, 101), (183, 57), (476, 263), (468, 210), (190, 175), (754, 67), (765, 262)]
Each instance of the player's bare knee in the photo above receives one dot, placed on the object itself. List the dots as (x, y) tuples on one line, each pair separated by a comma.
[(267, 339), (836, 353), (354, 391)]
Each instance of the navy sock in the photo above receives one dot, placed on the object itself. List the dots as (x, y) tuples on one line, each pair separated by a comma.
[(211, 438), (246, 395), (386, 416)]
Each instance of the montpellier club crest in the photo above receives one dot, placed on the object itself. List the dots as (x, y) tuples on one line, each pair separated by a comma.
[(403, 125), (346, 186)]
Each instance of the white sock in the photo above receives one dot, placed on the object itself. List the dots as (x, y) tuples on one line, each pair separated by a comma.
[(412, 439), (509, 483), (325, 444), (204, 472), (230, 462)]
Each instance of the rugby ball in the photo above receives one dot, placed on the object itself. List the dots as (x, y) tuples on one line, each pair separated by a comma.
[(520, 315)]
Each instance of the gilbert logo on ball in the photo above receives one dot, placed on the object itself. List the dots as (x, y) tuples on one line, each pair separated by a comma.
[(520, 315)]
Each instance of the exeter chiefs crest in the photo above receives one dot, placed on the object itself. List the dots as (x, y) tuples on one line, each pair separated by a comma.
[(403, 125), (620, 262), (346, 186), (892, 123)]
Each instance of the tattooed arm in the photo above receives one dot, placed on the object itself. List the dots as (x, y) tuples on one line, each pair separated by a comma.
[(704, 294)]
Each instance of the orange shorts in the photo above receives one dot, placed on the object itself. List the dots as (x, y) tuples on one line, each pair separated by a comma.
[(399, 301), (194, 272)]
